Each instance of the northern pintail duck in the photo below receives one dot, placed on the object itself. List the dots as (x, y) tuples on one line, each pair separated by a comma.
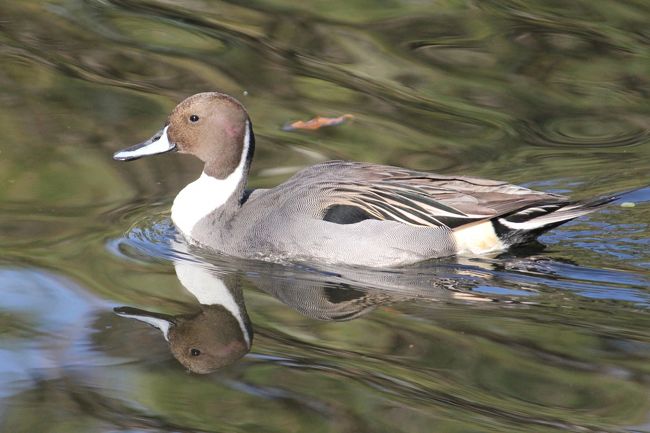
[(339, 211)]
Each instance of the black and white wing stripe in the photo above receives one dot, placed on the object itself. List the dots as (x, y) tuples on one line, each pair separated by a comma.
[(404, 204)]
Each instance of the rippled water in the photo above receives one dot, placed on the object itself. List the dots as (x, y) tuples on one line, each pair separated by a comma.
[(550, 337)]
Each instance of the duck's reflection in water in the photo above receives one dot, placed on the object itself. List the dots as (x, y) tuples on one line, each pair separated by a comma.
[(220, 333)]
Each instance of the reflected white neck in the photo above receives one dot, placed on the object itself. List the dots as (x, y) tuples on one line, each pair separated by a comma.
[(207, 194), (210, 290)]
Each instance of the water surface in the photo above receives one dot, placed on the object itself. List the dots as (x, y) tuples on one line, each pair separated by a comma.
[(549, 337)]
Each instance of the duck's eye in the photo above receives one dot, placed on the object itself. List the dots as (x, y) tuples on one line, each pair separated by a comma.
[(194, 118), (195, 352)]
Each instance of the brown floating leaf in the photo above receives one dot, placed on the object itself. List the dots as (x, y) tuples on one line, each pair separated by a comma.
[(317, 123)]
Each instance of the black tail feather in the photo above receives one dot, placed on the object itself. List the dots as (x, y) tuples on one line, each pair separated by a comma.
[(526, 224)]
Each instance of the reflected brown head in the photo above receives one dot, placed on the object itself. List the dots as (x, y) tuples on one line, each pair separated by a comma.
[(211, 126), (207, 341)]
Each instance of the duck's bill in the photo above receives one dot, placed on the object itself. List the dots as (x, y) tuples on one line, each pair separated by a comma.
[(160, 321), (159, 143)]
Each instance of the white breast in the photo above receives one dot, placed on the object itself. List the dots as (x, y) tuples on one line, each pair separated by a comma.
[(199, 199), (206, 194)]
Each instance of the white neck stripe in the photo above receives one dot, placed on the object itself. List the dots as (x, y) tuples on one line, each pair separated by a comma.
[(206, 194)]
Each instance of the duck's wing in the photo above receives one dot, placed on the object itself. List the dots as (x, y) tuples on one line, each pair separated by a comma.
[(352, 192), (377, 215)]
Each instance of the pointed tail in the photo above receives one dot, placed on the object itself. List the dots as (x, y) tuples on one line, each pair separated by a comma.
[(526, 224)]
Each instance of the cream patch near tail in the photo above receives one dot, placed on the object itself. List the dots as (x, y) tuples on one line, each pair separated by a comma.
[(477, 239)]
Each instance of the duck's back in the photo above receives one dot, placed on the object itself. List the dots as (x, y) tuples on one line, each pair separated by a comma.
[(347, 192)]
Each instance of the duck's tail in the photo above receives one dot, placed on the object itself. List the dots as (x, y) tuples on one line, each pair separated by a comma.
[(526, 224)]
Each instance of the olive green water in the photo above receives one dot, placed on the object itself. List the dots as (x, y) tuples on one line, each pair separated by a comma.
[(553, 95)]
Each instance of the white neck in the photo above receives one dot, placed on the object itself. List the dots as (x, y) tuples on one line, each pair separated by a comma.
[(206, 194)]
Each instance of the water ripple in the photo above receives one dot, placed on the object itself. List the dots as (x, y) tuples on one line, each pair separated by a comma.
[(583, 131)]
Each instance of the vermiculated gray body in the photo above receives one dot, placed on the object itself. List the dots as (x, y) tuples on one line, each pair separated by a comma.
[(286, 222)]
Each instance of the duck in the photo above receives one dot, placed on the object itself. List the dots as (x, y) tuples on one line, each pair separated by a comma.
[(339, 212)]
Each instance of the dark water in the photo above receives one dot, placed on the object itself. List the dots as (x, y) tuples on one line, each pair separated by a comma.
[(553, 95)]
